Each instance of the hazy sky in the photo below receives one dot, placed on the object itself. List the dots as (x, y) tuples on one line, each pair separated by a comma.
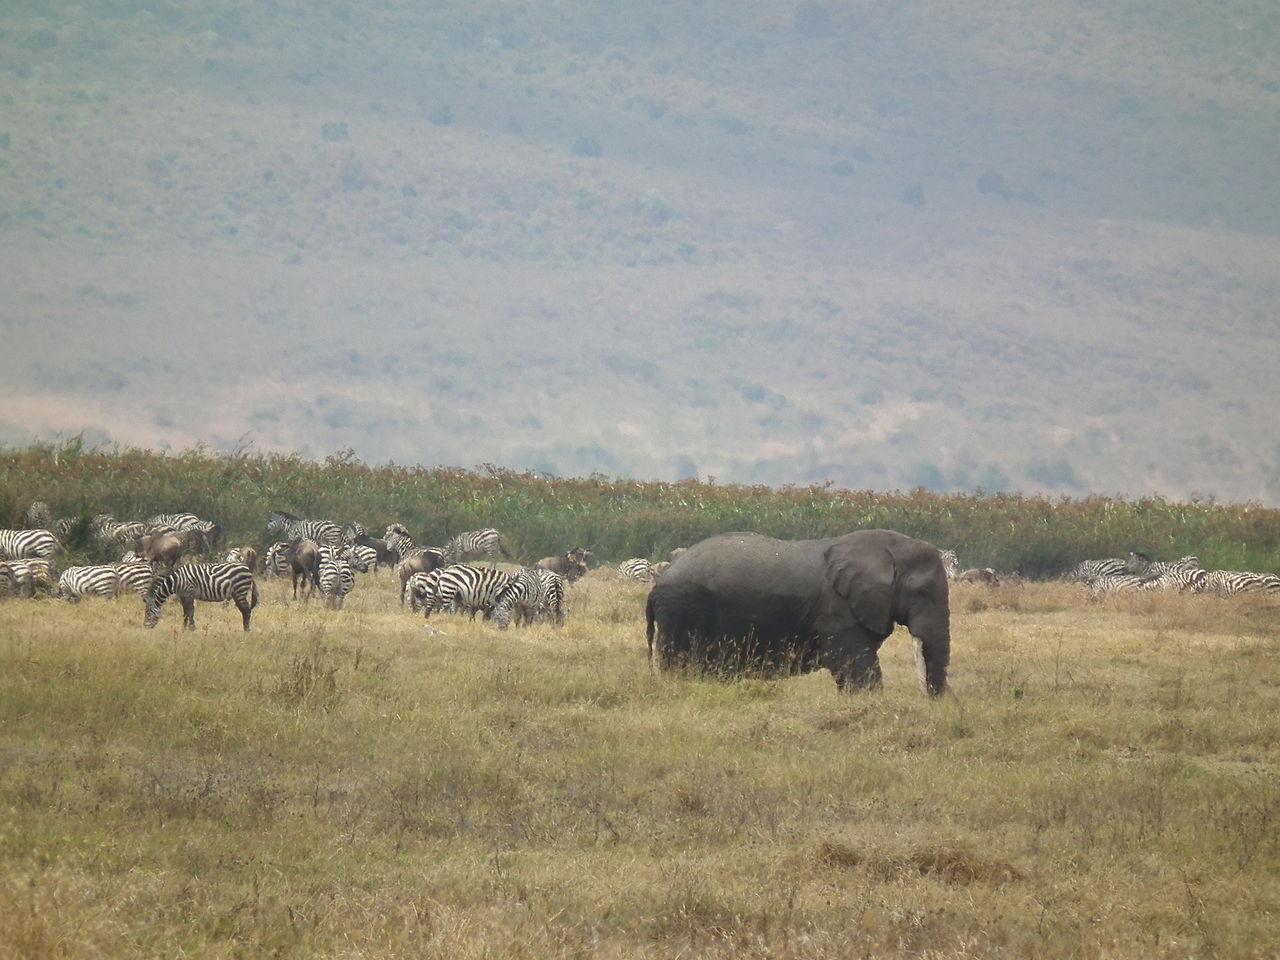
[(889, 247)]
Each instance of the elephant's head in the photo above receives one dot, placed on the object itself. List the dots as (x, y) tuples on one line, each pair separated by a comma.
[(886, 578)]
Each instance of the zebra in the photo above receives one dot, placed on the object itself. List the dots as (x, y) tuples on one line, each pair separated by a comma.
[(950, 563), (363, 558), (1089, 570), (29, 574), (637, 568), (9, 584), (474, 544), (135, 575), (1228, 583), (110, 532), (276, 561), (549, 601), (96, 581), (289, 527), (399, 541), (188, 521), (517, 599), (337, 576), (1184, 574), (420, 588), (468, 588), (64, 527), (1110, 583), (353, 530), (25, 544), (212, 582)]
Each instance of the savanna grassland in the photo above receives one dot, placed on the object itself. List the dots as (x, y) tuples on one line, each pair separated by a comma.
[(1101, 782)]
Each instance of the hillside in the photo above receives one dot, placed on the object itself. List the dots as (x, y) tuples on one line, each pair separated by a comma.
[(952, 246)]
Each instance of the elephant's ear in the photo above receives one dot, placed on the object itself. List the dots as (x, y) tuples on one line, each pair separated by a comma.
[(863, 574)]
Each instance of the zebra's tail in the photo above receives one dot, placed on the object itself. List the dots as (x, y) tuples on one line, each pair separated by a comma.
[(253, 595)]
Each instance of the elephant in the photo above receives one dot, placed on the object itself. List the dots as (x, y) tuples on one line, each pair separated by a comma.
[(744, 601)]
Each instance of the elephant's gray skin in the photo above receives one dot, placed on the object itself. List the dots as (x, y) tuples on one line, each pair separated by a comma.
[(741, 600)]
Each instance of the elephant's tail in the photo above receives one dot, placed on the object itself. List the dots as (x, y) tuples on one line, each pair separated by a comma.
[(648, 632)]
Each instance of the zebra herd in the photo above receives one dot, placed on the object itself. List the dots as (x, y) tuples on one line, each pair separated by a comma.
[(319, 555), (1185, 575)]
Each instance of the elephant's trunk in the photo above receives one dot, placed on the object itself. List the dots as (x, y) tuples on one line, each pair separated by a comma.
[(932, 633)]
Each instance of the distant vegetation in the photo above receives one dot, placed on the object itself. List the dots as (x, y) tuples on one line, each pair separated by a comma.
[(1037, 536)]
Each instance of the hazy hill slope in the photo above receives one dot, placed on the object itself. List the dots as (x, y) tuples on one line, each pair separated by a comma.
[(949, 245)]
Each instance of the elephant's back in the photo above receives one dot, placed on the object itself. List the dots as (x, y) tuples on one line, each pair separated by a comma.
[(733, 562)]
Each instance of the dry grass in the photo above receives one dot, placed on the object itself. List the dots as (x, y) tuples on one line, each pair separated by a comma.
[(1102, 783)]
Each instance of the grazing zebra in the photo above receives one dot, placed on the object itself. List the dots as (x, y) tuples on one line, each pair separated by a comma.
[(1089, 570), (363, 558), (475, 544), (25, 544), (637, 568), (276, 561), (109, 531), (98, 581), (29, 574), (337, 576), (289, 527), (950, 563), (1228, 583), (421, 589), (211, 582), (188, 521), (399, 541), (549, 601), (517, 598), (63, 527), (464, 588), (135, 575)]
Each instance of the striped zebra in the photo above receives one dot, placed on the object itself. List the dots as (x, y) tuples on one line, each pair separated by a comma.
[(363, 558), (1089, 570), (548, 600), (288, 527), (337, 575), (1112, 583), (1228, 583), (399, 541), (637, 568), (29, 575), (517, 598), (475, 544), (135, 575), (27, 544), (64, 527), (420, 588), (211, 582), (468, 589), (950, 563), (353, 530), (188, 521), (110, 532), (1185, 574), (96, 581), (275, 563)]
